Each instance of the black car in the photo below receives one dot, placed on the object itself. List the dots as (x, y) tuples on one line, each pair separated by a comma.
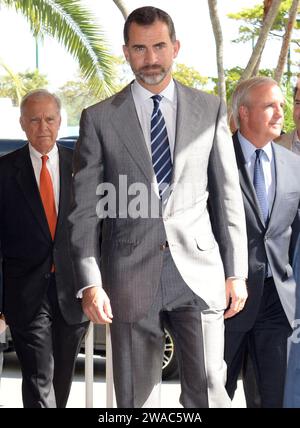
[(170, 367), (9, 145)]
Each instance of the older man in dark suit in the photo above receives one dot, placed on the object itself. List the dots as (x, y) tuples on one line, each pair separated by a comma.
[(40, 306)]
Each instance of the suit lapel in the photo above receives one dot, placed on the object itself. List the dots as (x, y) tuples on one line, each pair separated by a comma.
[(279, 185), (65, 177), (189, 112), (245, 180), (26, 180), (125, 121)]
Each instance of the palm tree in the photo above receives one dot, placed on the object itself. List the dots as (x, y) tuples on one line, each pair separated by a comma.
[(18, 85), (122, 7), (73, 26)]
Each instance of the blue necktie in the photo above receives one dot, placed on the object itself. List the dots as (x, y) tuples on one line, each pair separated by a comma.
[(260, 185), (160, 149)]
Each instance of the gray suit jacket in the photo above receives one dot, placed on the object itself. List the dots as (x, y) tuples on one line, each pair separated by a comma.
[(272, 243), (205, 186), (286, 140)]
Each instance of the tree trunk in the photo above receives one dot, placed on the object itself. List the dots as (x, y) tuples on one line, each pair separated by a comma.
[(257, 65), (261, 41), (216, 25), (286, 41), (267, 6), (122, 8)]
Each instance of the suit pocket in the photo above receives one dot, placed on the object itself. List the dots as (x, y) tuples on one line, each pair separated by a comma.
[(291, 195), (124, 248), (205, 242)]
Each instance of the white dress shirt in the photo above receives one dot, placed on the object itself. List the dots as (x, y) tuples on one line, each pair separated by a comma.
[(53, 168)]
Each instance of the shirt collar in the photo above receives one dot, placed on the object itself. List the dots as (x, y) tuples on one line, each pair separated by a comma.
[(141, 94), (37, 155), (249, 149)]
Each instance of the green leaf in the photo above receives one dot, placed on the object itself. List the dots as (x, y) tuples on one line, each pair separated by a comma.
[(73, 26)]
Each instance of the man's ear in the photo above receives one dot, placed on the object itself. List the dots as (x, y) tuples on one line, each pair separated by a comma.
[(21, 123), (243, 112), (176, 48), (125, 51)]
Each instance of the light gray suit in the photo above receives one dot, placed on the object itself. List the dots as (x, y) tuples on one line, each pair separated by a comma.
[(286, 140), (128, 251)]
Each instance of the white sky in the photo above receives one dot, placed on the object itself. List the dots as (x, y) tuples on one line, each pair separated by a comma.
[(193, 28)]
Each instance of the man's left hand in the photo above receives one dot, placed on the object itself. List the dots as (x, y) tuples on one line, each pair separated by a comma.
[(236, 295)]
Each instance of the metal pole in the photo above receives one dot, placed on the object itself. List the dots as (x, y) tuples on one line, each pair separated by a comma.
[(110, 393), (89, 366), (36, 53)]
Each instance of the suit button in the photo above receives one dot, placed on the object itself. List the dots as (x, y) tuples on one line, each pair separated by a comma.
[(47, 275), (162, 247)]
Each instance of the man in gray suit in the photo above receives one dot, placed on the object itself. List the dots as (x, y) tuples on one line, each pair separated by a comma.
[(269, 178), (153, 164), (291, 140)]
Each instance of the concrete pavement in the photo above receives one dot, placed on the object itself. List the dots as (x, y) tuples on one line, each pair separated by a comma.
[(10, 393)]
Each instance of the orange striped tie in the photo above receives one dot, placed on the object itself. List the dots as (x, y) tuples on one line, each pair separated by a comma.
[(47, 196)]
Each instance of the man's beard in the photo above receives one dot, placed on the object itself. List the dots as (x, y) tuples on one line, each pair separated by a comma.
[(152, 79)]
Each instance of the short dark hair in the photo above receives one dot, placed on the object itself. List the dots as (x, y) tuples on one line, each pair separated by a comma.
[(147, 15)]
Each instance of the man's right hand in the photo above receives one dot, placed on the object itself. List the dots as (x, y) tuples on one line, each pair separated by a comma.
[(96, 305), (3, 324)]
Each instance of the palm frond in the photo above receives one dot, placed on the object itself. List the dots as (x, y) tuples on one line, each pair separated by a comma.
[(15, 77), (74, 27)]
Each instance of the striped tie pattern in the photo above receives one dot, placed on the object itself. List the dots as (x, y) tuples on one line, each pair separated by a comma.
[(160, 148), (260, 186)]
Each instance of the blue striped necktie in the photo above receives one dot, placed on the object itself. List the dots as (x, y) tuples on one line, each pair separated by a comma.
[(160, 148), (260, 185)]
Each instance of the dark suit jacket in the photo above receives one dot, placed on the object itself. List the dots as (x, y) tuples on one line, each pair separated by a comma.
[(27, 248), (273, 242), (1, 287), (1, 282)]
